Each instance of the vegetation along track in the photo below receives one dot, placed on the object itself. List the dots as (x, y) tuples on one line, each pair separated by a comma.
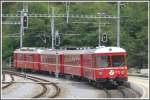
[(46, 85)]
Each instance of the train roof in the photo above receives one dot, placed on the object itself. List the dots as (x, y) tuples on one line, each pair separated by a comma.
[(68, 51), (101, 49), (29, 50), (109, 50)]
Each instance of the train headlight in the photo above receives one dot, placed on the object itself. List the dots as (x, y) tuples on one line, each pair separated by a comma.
[(111, 72), (100, 73), (122, 71)]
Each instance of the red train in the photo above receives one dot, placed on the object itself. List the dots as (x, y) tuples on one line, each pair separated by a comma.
[(99, 65)]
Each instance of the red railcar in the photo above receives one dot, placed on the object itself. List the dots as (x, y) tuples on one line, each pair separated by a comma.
[(28, 58), (100, 65), (50, 61)]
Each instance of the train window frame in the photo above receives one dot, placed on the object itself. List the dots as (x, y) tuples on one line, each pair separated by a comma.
[(98, 61), (88, 60), (72, 60), (20, 57), (123, 60), (51, 59), (29, 57)]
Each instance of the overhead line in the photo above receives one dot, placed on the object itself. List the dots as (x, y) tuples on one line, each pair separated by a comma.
[(61, 15)]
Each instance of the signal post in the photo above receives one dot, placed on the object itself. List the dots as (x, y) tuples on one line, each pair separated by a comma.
[(23, 25)]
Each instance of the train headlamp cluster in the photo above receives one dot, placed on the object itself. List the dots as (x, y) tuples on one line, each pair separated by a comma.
[(101, 73), (111, 72)]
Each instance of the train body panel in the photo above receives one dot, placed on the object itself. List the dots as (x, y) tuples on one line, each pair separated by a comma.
[(15, 60), (48, 63), (36, 62), (62, 63), (113, 72), (73, 70), (88, 68), (72, 64)]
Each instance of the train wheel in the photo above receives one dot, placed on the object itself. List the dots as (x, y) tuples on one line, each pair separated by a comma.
[(99, 85), (68, 77), (127, 84), (92, 82), (120, 82), (62, 75), (33, 71), (18, 69), (77, 78), (110, 85)]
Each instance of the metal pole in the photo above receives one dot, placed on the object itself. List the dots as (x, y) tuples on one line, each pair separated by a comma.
[(10, 62), (48, 8), (99, 34), (25, 6), (67, 11), (118, 25), (52, 27), (56, 74), (21, 29)]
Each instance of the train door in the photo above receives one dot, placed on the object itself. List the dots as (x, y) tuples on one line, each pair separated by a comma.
[(25, 60), (81, 65), (36, 58), (62, 63), (15, 59), (20, 60), (43, 63), (51, 63), (88, 67)]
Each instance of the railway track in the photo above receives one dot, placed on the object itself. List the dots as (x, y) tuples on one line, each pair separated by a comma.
[(119, 92), (128, 92), (3, 77), (49, 89), (123, 91), (7, 83)]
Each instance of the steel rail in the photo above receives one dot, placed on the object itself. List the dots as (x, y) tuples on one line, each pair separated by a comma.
[(38, 80), (10, 83)]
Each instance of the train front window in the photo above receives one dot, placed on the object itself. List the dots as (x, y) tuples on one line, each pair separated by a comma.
[(102, 61), (118, 61)]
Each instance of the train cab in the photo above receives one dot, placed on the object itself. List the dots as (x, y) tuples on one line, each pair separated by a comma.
[(110, 64)]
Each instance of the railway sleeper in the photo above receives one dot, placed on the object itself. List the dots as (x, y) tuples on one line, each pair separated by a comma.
[(128, 92)]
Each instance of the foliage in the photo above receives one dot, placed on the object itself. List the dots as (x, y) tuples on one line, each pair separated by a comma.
[(133, 36)]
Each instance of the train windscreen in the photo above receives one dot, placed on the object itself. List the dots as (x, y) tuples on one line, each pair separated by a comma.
[(118, 61), (102, 61)]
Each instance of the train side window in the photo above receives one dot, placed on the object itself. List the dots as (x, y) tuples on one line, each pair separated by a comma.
[(20, 57), (29, 57), (102, 61), (72, 60), (118, 61), (87, 60)]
